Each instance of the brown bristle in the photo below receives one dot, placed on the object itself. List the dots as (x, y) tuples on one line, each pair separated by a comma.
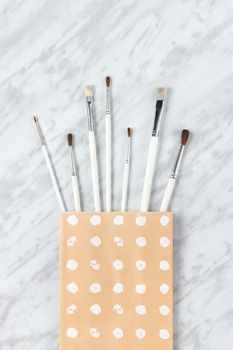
[(129, 130), (184, 136), (35, 119), (108, 79), (70, 139)]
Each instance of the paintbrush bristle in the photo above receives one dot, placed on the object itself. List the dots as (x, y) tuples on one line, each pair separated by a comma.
[(70, 139), (129, 131), (161, 93), (35, 119), (89, 90), (108, 80), (184, 137)]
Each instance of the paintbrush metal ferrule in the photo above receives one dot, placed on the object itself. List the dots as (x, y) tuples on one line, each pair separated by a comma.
[(41, 136), (89, 101), (158, 114), (108, 101), (175, 170), (127, 156), (72, 161)]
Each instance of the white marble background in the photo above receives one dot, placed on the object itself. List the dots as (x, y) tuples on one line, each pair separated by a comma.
[(48, 50)]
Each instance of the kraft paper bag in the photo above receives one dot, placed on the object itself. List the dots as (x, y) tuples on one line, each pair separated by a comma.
[(116, 281)]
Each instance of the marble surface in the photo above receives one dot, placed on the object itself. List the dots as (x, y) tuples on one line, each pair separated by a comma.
[(48, 51)]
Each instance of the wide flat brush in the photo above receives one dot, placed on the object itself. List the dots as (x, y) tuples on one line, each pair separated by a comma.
[(126, 171), (75, 185), (172, 181), (153, 148), (89, 92), (108, 145), (49, 165)]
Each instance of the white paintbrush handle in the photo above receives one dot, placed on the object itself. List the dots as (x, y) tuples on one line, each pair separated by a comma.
[(125, 187), (75, 186), (108, 134), (150, 167), (168, 194), (53, 177), (94, 170)]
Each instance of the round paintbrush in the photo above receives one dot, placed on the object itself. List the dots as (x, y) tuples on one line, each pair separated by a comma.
[(108, 146), (171, 183), (75, 185), (126, 171)]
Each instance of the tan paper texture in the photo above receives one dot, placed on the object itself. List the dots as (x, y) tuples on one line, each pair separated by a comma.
[(116, 281)]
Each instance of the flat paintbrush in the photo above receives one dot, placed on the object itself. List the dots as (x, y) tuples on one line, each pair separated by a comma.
[(89, 92), (153, 148)]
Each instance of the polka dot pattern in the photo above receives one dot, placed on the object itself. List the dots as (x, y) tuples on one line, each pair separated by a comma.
[(95, 309), (116, 271), (72, 264), (72, 220)]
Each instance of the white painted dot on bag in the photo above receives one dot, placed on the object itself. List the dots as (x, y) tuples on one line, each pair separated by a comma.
[(72, 333), (118, 333), (164, 220), (118, 288), (140, 309), (141, 241), (140, 265), (164, 310), (140, 333), (72, 288), (95, 220), (95, 288), (164, 265), (164, 334), (95, 265), (164, 242), (118, 309), (71, 241), (118, 240), (164, 288), (118, 220), (95, 309), (140, 220), (71, 309), (72, 220), (118, 264), (95, 241), (94, 333), (140, 288), (72, 264)]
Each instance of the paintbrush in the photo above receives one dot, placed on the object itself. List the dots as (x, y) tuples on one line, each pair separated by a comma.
[(126, 171), (49, 165), (75, 186), (89, 92), (108, 142), (153, 148), (172, 180)]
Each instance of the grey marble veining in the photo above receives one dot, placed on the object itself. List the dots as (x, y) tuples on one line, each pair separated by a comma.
[(48, 51)]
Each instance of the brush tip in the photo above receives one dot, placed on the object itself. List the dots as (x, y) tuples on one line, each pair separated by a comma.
[(108, 80), (35, 119), (70, 139), (161, 93), (89, 90), (184, 136), (129, 131)]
